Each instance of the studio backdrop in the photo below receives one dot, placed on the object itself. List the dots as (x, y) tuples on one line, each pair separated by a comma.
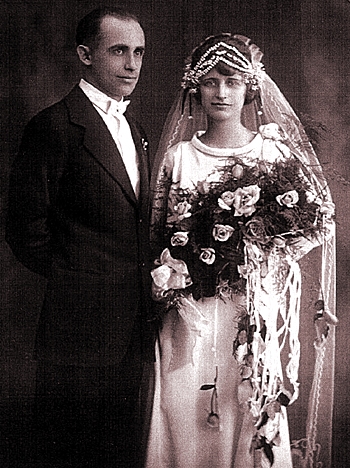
[(305, 45)]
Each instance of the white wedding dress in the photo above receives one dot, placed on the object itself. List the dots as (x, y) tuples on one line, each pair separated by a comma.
[(196, 345)]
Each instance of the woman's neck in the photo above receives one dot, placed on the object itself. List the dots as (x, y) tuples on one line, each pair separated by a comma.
[(226, 134)]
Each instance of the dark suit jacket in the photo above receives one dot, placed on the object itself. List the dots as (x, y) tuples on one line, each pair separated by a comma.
[(74, 218)]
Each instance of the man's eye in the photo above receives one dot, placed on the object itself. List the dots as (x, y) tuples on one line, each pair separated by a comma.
[(139, 53)]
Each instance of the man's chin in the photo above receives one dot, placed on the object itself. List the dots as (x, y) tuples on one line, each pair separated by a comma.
[(125, 90)]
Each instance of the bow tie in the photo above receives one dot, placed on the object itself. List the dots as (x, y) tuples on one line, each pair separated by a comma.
[(117, 107)]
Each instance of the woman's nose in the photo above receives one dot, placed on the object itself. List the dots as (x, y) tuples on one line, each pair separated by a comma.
[(221, 91)]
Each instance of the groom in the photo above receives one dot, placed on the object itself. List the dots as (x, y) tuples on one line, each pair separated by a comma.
[(78, 214)]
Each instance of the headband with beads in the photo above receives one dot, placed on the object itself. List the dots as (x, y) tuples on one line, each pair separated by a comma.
[(221, 52)]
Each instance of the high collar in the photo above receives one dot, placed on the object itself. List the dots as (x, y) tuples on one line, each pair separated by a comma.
[(107, 104), (224, 152)]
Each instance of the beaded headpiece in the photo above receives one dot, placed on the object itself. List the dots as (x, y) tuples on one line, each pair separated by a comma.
[(229, 55)]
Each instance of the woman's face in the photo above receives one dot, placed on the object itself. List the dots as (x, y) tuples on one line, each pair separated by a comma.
[(222, 96)]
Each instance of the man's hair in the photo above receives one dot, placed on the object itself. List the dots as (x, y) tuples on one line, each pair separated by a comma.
[(88, 29)]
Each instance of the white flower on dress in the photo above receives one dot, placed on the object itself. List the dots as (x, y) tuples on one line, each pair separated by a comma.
[(179, 239), (222, 232), (183, 210), (271, 131), (288, 199), (245, 199), (171, 274), (226, 200), (207, 256)]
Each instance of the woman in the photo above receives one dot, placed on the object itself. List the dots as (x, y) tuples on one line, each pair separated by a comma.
[(239, 198)]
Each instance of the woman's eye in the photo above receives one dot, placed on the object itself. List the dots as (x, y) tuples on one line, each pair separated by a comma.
[(209, 83), (234, 83)]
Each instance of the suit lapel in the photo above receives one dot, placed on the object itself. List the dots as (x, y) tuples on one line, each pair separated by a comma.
[(97, 139), (141, 150)]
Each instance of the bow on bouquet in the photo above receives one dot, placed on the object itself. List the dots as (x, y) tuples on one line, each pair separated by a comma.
[(268, 206)]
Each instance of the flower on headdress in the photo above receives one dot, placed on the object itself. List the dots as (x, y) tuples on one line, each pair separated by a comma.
[(179, 239), (245, 199), (222, 232), (171, 274), (288, 199), (207, 255), (226, 200)]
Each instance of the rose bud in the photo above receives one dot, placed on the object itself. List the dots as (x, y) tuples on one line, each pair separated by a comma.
[(319, 305), (279, 241), (213, 420), (237, 171)]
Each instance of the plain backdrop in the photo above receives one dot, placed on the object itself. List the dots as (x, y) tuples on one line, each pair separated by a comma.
[(306, 53)]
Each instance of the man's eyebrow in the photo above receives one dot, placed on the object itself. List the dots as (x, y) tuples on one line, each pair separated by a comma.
[(119, 46), (126, 47)]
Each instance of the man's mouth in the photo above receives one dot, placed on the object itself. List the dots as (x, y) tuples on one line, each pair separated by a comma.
[(128, 78)]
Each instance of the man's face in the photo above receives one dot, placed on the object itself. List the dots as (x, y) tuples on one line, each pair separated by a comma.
[(114, 64)]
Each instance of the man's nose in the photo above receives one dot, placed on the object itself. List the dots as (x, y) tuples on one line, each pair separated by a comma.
[(130, 62)]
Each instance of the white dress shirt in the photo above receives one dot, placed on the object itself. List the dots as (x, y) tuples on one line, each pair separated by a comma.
[(111, 112)]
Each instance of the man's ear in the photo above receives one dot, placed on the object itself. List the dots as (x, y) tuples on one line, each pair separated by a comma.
[(84, 54)]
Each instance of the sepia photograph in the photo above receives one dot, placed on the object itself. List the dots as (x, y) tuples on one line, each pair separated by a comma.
[(174, 189)]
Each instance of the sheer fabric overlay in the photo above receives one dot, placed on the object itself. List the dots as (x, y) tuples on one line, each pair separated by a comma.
[(311, 444)]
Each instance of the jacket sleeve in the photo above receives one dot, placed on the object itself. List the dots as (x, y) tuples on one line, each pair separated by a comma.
[(32, 187)]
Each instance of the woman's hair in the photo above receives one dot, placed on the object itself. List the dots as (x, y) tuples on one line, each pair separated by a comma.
[(88, 29), (221, 67)]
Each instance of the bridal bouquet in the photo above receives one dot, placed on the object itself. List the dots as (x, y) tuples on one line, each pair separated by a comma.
[(268, 206)]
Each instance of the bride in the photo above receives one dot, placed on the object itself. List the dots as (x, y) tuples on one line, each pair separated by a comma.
[(239, 198)]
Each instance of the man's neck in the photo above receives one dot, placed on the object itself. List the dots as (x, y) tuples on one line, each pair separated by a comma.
[(99, 89)]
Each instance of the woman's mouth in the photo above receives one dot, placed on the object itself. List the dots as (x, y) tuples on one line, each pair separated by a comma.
[(221, 105)]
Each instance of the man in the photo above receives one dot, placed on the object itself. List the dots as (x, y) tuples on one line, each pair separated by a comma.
[(78, 210)]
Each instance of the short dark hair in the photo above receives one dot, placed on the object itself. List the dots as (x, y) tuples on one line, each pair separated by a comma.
[(88, 29)]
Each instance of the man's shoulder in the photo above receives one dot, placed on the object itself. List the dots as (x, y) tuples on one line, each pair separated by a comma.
[(59, 112), (61, 104)]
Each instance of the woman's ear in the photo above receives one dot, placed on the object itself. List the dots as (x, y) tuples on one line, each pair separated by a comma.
[(84, 54)]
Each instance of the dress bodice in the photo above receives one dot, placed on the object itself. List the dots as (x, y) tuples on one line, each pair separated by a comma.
[(189, 162)]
